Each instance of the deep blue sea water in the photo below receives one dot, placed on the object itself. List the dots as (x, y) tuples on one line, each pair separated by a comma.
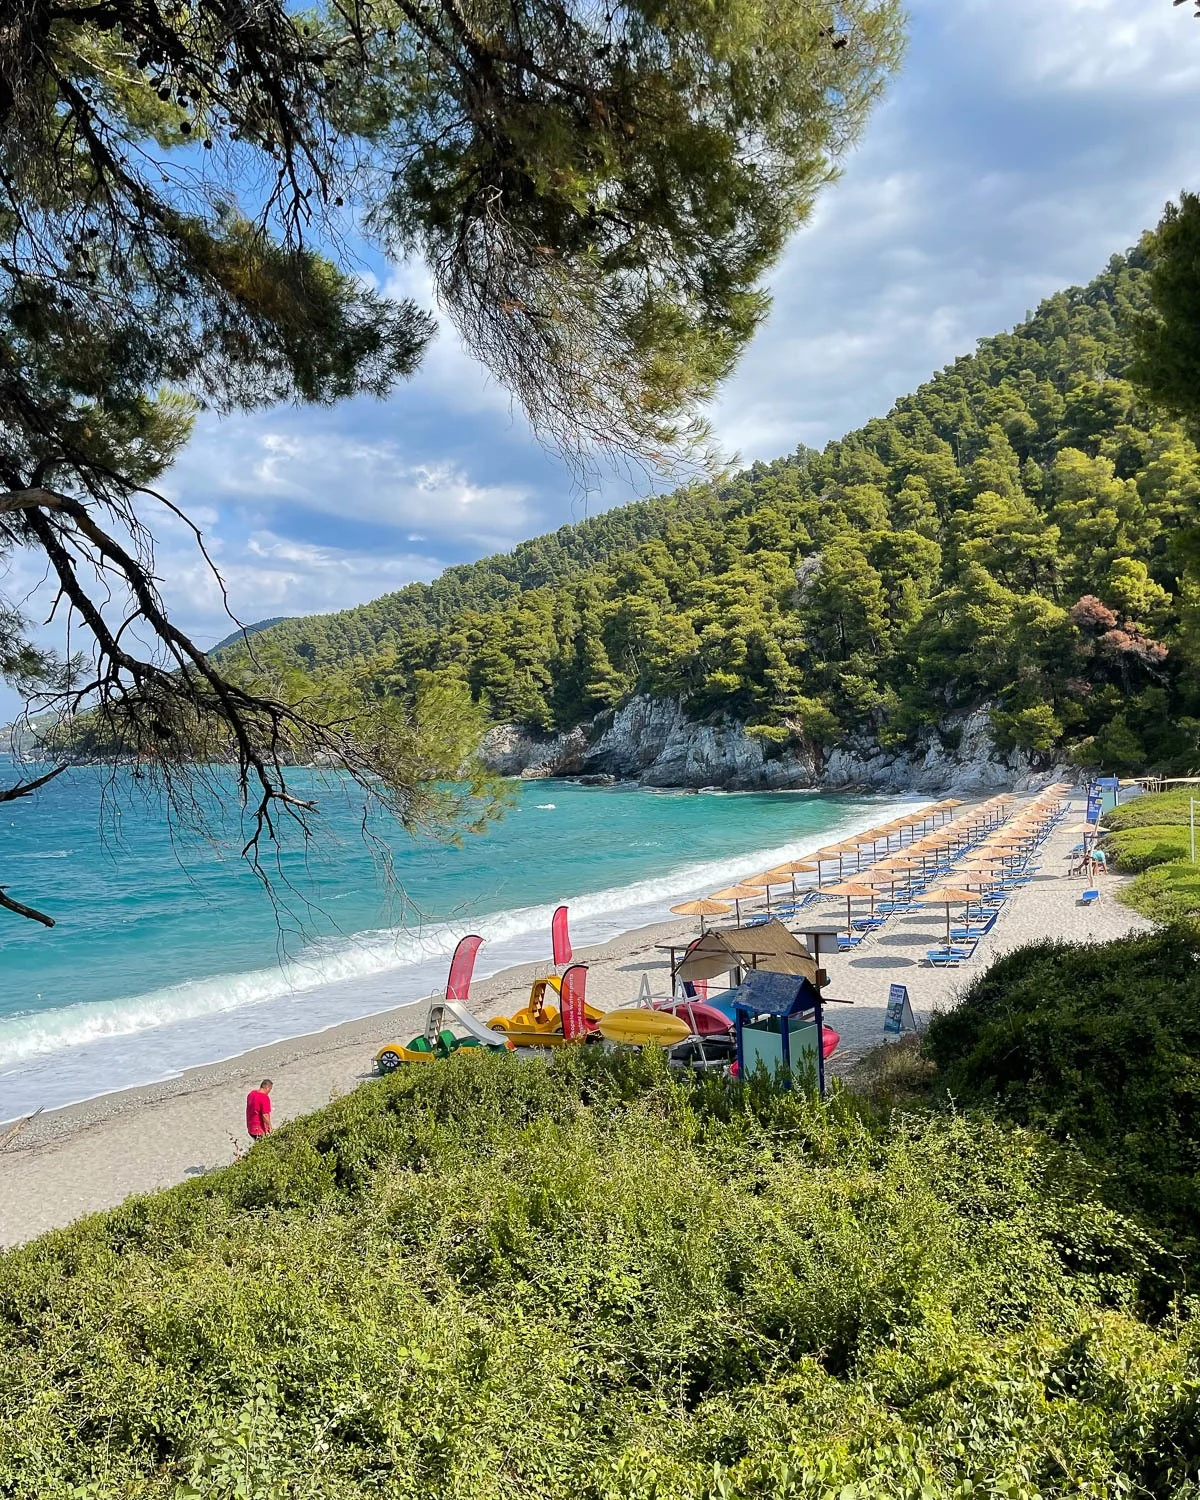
[(168, 953)]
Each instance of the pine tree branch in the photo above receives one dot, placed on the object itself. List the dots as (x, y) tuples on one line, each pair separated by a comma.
[(27, 788), (8, 904)]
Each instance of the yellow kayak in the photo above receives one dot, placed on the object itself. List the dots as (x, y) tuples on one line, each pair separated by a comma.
[(636, 1025)]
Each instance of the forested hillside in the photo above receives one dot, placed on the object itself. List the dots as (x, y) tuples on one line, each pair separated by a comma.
[(1014, 534)]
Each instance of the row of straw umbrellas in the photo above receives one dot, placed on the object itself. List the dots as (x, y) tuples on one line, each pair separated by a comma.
[(934, 834), (1002, 851)]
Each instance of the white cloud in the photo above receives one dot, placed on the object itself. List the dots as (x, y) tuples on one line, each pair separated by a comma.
[(1088, 46), (276, 575), (458, 382), (354, 479), (1024, 143)]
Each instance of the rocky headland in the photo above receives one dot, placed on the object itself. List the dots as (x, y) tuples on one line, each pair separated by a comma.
[(653, 741)]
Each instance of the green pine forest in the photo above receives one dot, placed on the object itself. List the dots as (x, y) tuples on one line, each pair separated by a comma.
[(1013, 536)]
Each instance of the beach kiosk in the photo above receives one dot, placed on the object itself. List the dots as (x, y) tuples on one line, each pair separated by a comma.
[(777, 1021), (775, 1004)]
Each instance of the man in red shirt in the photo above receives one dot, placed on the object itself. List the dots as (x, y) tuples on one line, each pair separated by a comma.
[(258, 1110)]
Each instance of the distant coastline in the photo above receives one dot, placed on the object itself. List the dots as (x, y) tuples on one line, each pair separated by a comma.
[(154, 968)]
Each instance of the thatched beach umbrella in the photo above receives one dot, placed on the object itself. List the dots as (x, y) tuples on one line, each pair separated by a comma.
[(829, 851), (842, 850), (792, 868), (883, 877), (947, 896), (850, 889), (764, 883), (737, 894), (984, 856), (905, 861), (703, 908), (876, 836)]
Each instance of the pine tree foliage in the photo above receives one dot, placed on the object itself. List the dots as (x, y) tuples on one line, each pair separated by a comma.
[(598, 192), (1016, 534)]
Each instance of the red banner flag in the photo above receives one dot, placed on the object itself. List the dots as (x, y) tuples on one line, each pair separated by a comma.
[(558, 933), (462, 966), (574, 1013)]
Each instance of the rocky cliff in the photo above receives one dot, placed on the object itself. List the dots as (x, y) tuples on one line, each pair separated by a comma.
[(653, 741)]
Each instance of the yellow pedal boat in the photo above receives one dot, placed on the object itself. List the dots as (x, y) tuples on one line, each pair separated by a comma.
[(538, 1024)]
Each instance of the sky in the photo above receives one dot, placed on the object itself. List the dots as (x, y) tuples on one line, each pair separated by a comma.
[(1022, 143)]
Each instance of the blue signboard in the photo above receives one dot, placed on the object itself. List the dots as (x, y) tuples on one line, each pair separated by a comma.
[(764, 993), (899, 1011)]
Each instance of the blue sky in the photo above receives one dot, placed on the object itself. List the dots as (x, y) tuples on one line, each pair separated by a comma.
[(1023, 143)]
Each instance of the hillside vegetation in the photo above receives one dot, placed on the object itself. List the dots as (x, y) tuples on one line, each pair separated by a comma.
[(1014, 534), (583, 1278)]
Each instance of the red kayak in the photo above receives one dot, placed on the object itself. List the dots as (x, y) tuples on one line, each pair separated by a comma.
[(705, 1020)]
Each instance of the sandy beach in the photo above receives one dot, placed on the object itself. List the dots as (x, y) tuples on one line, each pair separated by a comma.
[(93, 1155)]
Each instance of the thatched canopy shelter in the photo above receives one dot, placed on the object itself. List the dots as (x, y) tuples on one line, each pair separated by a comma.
[(770, 946)]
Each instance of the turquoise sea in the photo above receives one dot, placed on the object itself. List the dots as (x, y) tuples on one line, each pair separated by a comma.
[(168, 952)]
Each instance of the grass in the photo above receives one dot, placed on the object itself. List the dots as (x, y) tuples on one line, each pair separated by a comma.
[(589, 1279), (1139, 848), (1151, 839), (894, 1075), (1160, 808)]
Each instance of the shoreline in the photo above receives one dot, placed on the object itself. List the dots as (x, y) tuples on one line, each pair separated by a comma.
[(85, 1157), (78, 1051), (489, 996), (91, 1155)]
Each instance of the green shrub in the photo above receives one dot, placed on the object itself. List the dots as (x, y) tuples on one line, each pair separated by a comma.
[(1098, 1045), (1142, 846), (1151, 839), (1157, 808), (1167, 893), (503, 1278)]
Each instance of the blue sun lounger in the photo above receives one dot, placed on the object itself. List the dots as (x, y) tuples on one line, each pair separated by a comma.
[(1089, 898), (948, 958)]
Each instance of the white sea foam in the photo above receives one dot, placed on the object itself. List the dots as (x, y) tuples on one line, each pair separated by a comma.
[(56, 1057)]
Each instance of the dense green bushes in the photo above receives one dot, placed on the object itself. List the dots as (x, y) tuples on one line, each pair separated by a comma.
[(505, 1278), (1168, 893), (1157, 809), (1098, 1045), (1138, 848)]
